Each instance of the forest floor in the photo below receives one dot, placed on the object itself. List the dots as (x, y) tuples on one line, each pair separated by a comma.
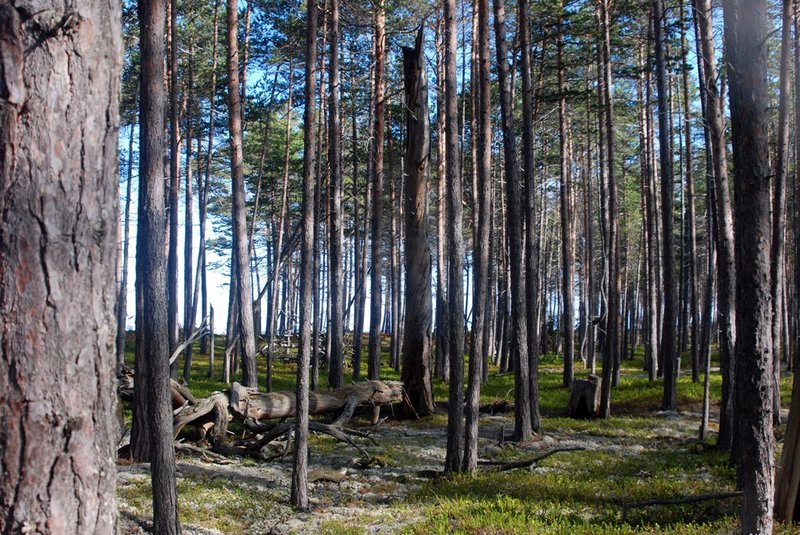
[(639, 454)]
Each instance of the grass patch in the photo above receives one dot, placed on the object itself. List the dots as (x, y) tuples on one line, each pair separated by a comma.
[(640, 455)]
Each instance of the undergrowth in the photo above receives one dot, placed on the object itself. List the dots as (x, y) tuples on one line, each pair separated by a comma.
[(643, 454)]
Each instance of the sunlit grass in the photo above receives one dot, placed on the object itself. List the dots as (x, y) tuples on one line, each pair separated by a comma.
[(572, 492)]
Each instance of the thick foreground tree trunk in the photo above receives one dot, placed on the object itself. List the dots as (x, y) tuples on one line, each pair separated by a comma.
[(745, 37), (58, 175), (416, 372)]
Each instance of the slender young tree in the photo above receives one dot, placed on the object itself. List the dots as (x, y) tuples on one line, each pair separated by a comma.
[(57, 252), (122, 300), (787, 484), (378, 127), (567, 226), (241, 252), (272, 318), (691, 224), (779, 206), (299, 494), (612, 215), (188, 309), (529, 114), (648, 217), (455, 415), (746, 29), (204, 194), (480, 255), (442, 365), (416, 371), (726, 267), (174, 184), (668, 339)]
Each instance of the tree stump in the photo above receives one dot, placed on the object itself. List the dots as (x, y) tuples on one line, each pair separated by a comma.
[(584, 399)]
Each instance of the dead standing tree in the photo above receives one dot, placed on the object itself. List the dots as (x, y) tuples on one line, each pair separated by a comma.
[(416, 373)]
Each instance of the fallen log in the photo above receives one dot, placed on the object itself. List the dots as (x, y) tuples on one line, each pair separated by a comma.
[(210, 417), (251, 404), (180, 394)]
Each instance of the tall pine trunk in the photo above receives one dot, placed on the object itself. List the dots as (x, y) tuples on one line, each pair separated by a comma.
[(58, 243), (336, 336), (745, 37), (726, 268), (374, 356), (668, 340), (241, 251), (174, 184), (455, 289), (516, 237), (481, 253), (567, 224), (299, 492)]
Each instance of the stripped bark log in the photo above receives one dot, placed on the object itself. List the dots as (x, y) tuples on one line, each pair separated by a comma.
[(266, 406), (211, 416)]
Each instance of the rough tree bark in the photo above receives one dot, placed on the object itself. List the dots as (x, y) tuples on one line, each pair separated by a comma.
[(668, 351), (516, 237), (244, 295), (59, 102), (336, 357), (299, 493), (455, 239), (529, 114), (745, 41), (151, 436), (480, 256), (613, 308), (416, 371)]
